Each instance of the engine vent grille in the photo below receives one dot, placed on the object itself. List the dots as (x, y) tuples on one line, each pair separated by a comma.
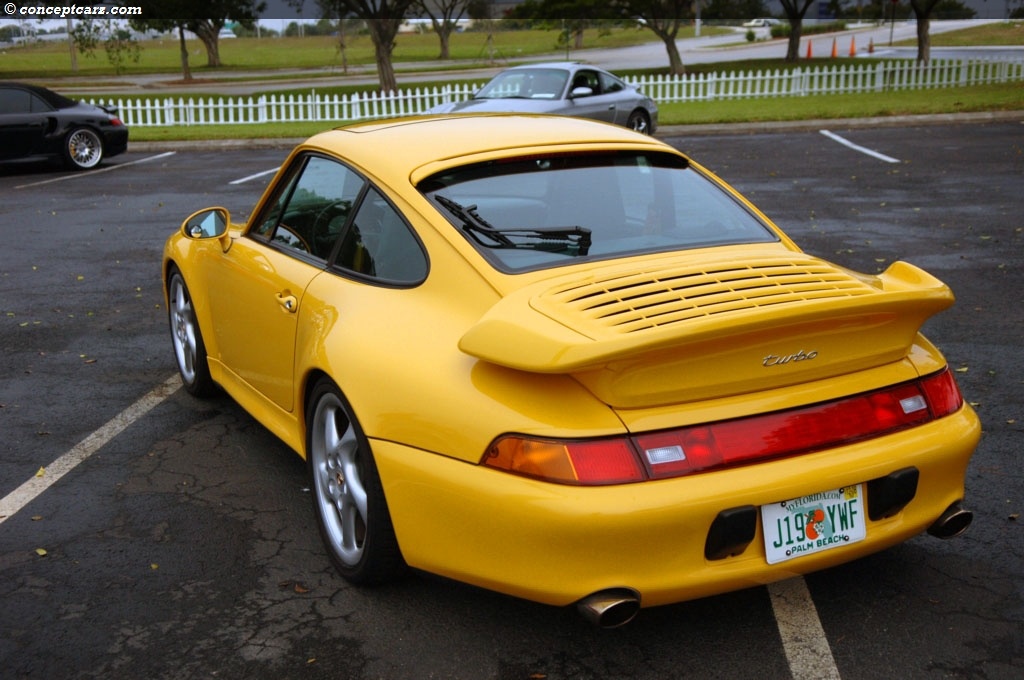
[(644, 300)]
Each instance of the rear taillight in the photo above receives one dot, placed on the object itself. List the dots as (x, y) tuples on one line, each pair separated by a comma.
[(595, 461), (673, 453), (787, 433), (942, 393)]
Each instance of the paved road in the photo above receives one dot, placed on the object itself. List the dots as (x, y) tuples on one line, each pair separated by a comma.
[(184, 545), (713, 49)]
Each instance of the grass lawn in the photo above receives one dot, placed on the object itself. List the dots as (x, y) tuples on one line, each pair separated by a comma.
[(52, 59), (1005, 97)]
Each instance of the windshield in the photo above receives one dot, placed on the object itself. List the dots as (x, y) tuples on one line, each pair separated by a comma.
[(542, 211), (532, 83)]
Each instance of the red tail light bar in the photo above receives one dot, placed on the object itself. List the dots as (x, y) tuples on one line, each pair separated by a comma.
[(729, 443)]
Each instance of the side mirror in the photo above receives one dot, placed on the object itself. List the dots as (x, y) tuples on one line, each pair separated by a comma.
[(580, 91), (209, 223)]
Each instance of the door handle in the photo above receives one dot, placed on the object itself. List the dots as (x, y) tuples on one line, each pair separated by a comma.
[(288, 302)]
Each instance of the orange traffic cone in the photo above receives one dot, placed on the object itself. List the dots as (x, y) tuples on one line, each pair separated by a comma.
[(853, 47), (808, 49), (834, 53)]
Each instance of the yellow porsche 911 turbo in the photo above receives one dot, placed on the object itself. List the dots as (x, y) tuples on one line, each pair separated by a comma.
[(559, 359)]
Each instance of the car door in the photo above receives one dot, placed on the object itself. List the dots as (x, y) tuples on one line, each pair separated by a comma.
[(598, 105), (619, 97), (256, 290), (23, 121)]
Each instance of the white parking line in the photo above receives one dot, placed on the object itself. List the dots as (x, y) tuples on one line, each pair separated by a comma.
[(855, 147), (257, 175), (803, 638), (46, 477), (96, 172)]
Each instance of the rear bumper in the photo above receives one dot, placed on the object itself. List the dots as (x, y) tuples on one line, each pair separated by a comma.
[(115, 141), (556, 544)]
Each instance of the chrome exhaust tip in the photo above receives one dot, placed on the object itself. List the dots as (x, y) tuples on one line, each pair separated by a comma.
[(953, 522), (610, 608)]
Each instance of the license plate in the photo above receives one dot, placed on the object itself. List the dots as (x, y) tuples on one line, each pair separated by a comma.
[(814, 523)]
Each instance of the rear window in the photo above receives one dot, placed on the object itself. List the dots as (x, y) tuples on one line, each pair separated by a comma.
[(543, 211)]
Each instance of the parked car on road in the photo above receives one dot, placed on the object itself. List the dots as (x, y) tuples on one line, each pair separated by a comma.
[(761, 23), (563, 88), (39, 124), (562, 360)]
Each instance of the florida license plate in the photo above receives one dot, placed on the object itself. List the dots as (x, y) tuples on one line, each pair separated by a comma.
[(814, 523)]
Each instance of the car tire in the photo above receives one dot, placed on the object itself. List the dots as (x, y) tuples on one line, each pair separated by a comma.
[(639, 121), (189, 349), (348, 497), (83, 149)]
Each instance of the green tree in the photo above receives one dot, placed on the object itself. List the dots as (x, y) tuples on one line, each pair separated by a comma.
[(444, 16), (117, 42), (121, 47), (572, 16), (167, 16), (205, 18), (340, 23), (9, 33), (664, 18), (795, 11), (923, 11), (383, 18)]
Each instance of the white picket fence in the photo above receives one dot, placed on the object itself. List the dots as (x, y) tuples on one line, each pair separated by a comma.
[(334, 108), (846, 78)]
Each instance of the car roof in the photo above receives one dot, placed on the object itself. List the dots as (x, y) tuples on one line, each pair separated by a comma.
[(566, 65), (52, 98), (418, 146)]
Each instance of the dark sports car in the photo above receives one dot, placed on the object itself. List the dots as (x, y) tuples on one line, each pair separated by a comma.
[(38, 124)]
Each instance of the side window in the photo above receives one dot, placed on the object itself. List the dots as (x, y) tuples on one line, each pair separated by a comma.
[(310, 211), (610, 84), (587, 79), (275, 209), (14, 100), (380, 244), (38, 105)]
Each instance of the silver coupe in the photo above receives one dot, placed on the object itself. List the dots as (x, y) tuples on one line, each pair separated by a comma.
[(563, 88)]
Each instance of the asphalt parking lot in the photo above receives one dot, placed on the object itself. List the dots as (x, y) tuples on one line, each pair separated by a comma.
[(183, 545)]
